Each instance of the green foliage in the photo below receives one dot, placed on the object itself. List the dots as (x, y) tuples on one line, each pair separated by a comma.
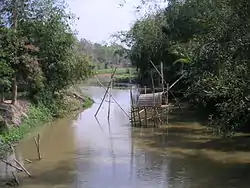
[(104, 55), (40, 49), (209, 40), (5, 58), (36, 116), (88, 102)]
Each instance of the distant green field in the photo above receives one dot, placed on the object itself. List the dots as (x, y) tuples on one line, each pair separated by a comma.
[(122, 75), (119, 71)]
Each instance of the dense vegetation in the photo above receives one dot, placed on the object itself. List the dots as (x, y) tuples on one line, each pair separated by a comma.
[(208, 42), (105, 56), (38, 51)]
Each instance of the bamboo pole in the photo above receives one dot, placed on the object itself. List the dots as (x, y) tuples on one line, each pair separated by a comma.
[(99, 124), (167, 108), (157, 70), (146, 119), (167, 103), (132, 108), (37, 143), (152, 80), (162, 84), (139, 116), (131, 155), (161, 116), (131, 104), (173, 84), (11, 165), (112, 97), (105, 92), (24, 169), (162, 77), (141, 111)]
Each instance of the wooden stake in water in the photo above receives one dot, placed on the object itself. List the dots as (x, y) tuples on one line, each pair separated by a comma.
[(112, 98), (167, 102), (133, 120), (111, 85), (162, 77), (37, 143), (146, 118), (153, 86), (106, 92)]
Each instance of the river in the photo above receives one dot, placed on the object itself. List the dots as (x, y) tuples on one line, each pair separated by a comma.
[(82, 152)]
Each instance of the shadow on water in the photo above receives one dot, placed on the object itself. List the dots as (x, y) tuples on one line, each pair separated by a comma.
[(61, 174), (188, 134), (90, 152), (180, 172)]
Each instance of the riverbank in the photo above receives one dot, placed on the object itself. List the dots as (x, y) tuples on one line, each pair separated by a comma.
[(99, 153), (38, 114)]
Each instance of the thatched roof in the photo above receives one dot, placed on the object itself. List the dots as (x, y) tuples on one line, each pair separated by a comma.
[(151, 99)]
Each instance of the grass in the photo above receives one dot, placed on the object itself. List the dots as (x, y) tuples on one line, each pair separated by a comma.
[(88, 102), (125, 76), (37, 115), (119, 71), (122, 75)]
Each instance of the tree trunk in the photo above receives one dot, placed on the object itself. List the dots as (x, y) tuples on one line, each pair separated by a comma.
[(14, 26), (2, 97), (14, 90)]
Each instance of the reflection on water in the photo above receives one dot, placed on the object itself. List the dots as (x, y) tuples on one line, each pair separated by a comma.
[(91, 153)]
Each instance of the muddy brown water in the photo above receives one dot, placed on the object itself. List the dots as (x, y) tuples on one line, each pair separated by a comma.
[(84, 153)]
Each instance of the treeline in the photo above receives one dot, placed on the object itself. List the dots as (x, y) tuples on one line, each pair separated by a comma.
[(105, 56), (209, 43), (39, 50)]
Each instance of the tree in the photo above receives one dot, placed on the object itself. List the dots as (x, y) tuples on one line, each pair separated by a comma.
[(211, 40), (40, 47)]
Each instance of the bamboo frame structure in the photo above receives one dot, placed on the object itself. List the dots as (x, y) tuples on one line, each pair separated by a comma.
[(106, 92), (156, 110)]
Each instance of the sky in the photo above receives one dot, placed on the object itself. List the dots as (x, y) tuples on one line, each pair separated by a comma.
[(98, 19)]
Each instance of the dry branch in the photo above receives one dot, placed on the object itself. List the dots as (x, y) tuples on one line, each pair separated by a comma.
[(24, 169)]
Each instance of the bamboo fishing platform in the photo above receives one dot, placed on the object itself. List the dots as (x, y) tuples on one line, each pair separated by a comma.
[(149, 109), (152, 109)]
